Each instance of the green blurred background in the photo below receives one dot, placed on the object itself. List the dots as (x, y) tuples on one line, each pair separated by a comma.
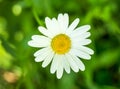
[(19, 20)]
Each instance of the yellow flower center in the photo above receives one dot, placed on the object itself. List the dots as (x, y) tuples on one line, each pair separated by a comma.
[(61, 44)]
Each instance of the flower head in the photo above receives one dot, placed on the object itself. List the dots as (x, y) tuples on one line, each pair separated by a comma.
[(62, 45)]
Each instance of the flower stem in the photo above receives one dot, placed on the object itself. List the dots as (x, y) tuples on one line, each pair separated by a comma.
[(37, 18)]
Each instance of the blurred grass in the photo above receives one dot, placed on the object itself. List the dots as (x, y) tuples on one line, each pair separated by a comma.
[(19, 20)]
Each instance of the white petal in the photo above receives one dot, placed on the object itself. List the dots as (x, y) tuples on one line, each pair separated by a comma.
[(39, 41), (85, 42), (42, 56), (81, 42), (59, 72), (41, 51), (72, 63), (80, 36), (84, 49), (48, 59), (66, 64), (72, 26), (49, 23), (66, 21), (56, 27), (81, 29), (39, 44), (80, 54), (54, 64), (60, 69), (52, 25), (33, 44), (40, 38), (44, 31), (79, 63), (63, 21)]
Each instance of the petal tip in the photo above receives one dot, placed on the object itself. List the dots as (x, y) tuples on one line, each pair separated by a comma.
[(29, 43), (83, 69), (37, 60), (52, 71), (77, 20), (43, 66), (89, 27), (59, 76)]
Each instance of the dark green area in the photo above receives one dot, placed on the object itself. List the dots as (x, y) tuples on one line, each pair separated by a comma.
[(19, 20)]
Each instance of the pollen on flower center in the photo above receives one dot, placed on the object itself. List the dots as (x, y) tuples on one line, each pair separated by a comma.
[(61, 44)]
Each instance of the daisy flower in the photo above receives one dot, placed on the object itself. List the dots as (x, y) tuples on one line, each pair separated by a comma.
[(62, 45)]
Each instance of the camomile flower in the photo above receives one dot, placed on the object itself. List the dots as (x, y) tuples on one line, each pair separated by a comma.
[(62, 45)]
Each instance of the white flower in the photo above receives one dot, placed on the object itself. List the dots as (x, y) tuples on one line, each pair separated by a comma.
[(62, 45)]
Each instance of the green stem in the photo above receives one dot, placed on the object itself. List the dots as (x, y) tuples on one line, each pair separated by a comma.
[(37, 18)]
